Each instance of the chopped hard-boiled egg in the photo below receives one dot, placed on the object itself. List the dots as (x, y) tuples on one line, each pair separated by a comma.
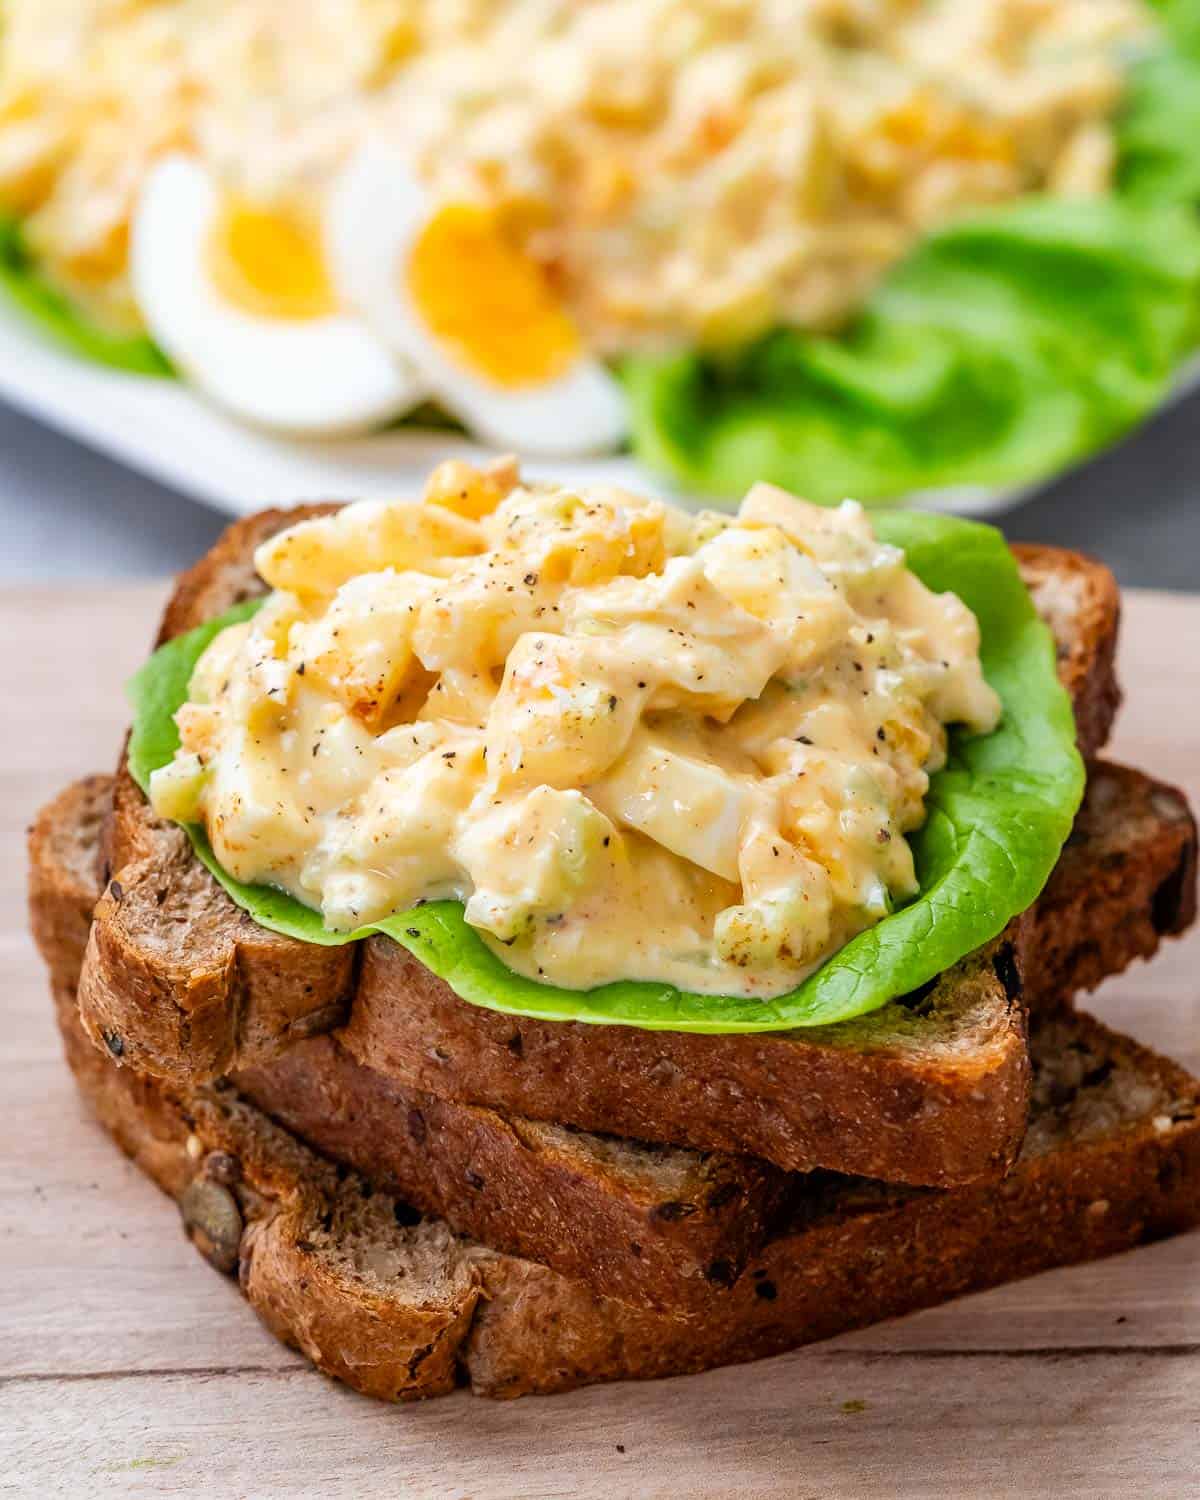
[(316, 557), (528, 858), (689, 805), (635, 743), (360, 650), (443, 285), (240, 298)]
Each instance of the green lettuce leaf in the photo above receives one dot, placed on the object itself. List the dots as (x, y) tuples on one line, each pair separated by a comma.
[(1160, 132), (1181, 18), (67, 324), (1004, 349), (998, 815)]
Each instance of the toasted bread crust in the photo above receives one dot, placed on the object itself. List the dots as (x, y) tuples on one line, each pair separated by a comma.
[(866, 1099), (852, 1254), (1126, 879), (855, 1252), (278, 1202), (656, 1227), (934, 1094), (404, 1310), (178, 980), (63, 888), (1078, 598)]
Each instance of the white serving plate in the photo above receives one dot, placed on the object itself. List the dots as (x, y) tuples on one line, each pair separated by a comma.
[(164, 429)]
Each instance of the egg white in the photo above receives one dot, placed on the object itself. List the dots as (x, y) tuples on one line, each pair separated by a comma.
[(318, 377), (376, 212)]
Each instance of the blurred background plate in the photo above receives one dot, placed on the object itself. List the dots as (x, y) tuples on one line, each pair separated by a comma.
[(162, 428)]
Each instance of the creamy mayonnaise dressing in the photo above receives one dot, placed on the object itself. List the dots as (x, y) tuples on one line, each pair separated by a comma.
[(637, 743)]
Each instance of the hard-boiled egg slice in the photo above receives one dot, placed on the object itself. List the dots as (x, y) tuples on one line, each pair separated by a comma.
[(240, 299), (441, 283)]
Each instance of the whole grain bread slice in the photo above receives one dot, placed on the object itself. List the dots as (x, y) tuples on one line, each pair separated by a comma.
[(657, 1226), (653, 1226), (934, 1091), (400, 1307), (931, 1090), (1126, 880), (873, 1090), (878, 1094), (1078, 598)]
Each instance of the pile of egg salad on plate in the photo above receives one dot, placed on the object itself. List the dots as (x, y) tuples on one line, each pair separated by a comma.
[(637, 743), (636, 174)]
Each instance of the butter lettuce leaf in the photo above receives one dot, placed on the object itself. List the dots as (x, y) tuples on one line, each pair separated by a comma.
[(1160, 138), (998, 815), (67, 324), (1003, 349)]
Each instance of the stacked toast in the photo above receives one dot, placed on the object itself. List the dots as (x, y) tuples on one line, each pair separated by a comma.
[(419, 1193)]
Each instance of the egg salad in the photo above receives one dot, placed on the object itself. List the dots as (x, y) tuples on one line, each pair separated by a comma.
[(636, 743), (371, 201)]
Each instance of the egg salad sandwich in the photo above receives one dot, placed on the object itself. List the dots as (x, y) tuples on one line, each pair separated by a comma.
[(539, 935)]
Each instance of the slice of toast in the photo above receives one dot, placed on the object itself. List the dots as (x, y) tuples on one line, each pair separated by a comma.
[(1078, 598), (652, 1226), (1127, 879), (655, 1226), (400, 1307), (180, 984)]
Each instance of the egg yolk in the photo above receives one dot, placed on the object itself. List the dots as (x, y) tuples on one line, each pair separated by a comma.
[(488, 304), (269, 264)]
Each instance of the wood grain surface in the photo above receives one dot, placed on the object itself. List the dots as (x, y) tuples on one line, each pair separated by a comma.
[(127, 1367)]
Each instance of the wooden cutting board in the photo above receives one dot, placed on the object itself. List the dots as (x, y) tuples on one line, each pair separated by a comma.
[(127, 1367)]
